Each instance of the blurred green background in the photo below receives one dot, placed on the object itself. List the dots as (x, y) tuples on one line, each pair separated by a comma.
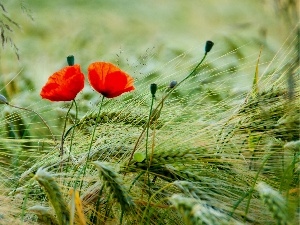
[(154, 41), (96, 30), (142, 37)]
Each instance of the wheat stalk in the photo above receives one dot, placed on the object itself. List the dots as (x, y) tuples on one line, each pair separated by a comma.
[(54, 194), (115, 184), (275, 202), (196, 212), (44, 214), (188, 188)]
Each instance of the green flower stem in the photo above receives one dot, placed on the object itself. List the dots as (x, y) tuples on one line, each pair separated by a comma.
[(188, 76), (73, 130), (147, 129), (91, 143), (147, 137), (64, 130), (159, 106)]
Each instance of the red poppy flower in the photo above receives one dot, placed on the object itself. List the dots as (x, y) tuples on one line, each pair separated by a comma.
[(64, 84), (109, 80)]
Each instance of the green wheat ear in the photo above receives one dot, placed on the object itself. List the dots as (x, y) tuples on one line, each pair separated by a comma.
[(188, 188), (195, 212), (114, 183), (275, 202), (44, 214), (53, 192)]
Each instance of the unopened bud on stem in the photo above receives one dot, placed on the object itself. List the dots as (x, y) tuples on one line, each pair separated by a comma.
[(208, 46), (153, 89), (173, 83), (71, 60)]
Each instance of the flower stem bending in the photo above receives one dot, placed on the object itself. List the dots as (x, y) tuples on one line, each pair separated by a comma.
[(64, 130), (73, 131), (91, 143), (157, 109)]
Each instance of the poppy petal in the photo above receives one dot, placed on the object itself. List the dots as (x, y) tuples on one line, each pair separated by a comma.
[(64, 84), (109, 80), (114, 84)]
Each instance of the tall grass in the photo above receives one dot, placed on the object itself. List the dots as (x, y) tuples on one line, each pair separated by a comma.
[(223, 150)]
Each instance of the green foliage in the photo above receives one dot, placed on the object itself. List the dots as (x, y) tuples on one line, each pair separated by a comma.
[(214, 139)]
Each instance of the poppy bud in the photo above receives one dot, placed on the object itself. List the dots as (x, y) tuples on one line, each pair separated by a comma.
[(71, 60), (173, 83), (153, 89), (3, 100), (208, 46)]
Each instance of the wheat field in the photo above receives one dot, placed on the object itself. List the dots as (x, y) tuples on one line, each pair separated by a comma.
[(222, 147)]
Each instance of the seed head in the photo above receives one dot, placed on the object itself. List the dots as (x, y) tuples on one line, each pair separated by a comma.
[(208, 46)]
